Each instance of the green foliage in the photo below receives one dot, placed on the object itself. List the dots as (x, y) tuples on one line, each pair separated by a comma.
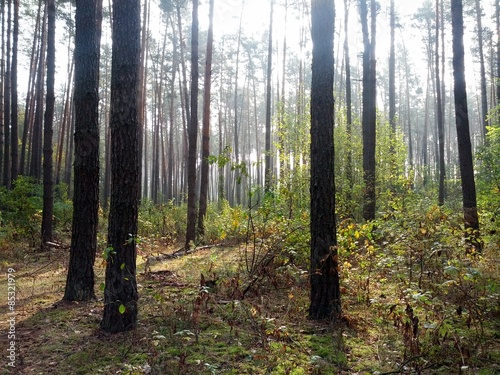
[(412, 268), (21, 210), (165, 222)]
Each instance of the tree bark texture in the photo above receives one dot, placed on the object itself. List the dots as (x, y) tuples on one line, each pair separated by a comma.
[(193, 132), (325, 293), (120, 293), (48, 126), (80, 279), (462, 119), (205, 153)]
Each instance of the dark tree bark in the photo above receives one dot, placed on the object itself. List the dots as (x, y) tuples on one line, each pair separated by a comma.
[(7, 102), (14, 136), (80, 279), (392, 72), (35, 169), (48, 124), (325, 292), (462, 120), (497, 11), (29, 108), (268, 169), (369, 120), (120, 293), (193, 132), (206, 123), (348, 104), (439, 113), (236, 193), (482, 84)]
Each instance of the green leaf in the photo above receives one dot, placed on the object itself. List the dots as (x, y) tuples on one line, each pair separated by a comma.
[(121, 309), (102, 286), (122, 266)]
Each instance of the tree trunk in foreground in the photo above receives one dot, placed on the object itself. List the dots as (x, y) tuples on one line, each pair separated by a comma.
[(462, 124), (120, 293), (80, 280), (325, 292)]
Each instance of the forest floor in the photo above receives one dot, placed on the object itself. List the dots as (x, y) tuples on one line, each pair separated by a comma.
[(189, 324)]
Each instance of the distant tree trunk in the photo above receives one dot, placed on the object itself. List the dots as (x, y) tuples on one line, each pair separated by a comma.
[(484, 91), (193, 132), (7, 103), (369, 119), (36, 135), (268, 169), (120, 293), (2, 83), (14, 136), (462, 121), (206, 124), (392, 74), (497, 11), (80, 279), (30, 97), (48, 173), (325, 291), (236, 133), (440, 120), (408, 107), (348, 104)]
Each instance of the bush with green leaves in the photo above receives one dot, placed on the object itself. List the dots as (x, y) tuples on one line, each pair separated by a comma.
[(21, 210)]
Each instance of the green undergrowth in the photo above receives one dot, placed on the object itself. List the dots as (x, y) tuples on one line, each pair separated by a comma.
[(417, 298)]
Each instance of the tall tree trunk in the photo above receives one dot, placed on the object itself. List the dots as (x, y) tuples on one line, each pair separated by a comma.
[(120, 293), (439, 113), (348, 104), (193, 132), (392, 74), (2, 85), (236, 133), (462, 123), (14, 136), (29, 108), (369, 119), (36, 136), (484, 91), (325, 291), (142, 84), (268, 169), (7, 103), (80, 279), (48, 172), (206, 123)]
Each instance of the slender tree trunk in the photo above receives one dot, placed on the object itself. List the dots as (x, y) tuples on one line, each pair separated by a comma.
[(193, 132), (236, 133), (36, 136), (348, 104), (325, 290), (484, 91), (206, 123), (30, 97), (369, 109), (439, 113), (392, 74), (7, 103), (80, 279), (2, 87), (120, 293), (462, 123), (14, 136), (48, 172), (268, 169)]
